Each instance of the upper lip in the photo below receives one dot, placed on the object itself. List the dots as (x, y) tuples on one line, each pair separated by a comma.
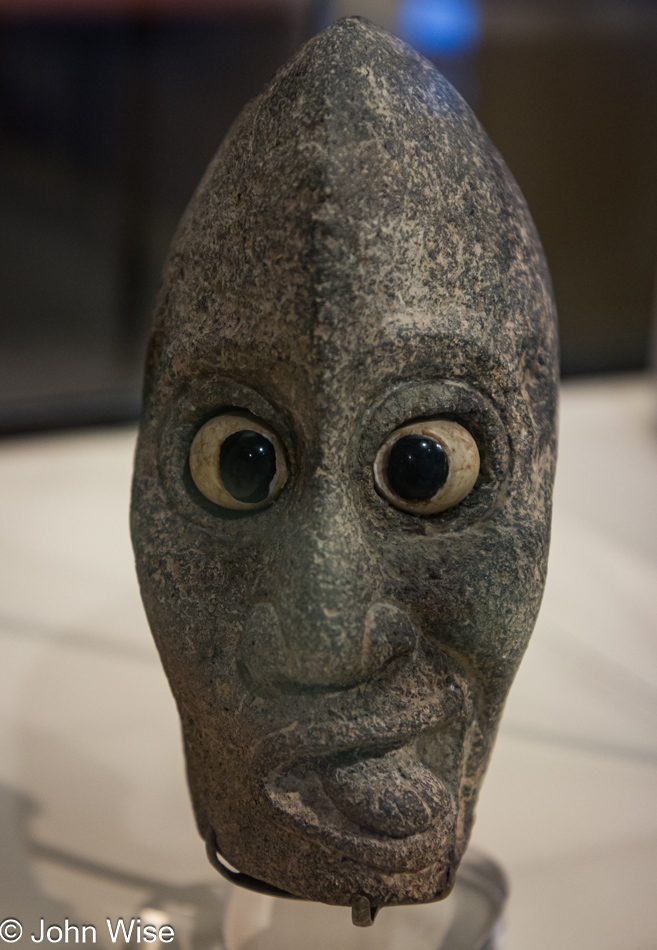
[(350, 726)]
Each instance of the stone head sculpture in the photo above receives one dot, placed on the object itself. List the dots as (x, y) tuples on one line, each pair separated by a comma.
[(343, 480)]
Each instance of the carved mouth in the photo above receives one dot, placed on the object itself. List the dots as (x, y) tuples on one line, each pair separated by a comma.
[(380, 805)]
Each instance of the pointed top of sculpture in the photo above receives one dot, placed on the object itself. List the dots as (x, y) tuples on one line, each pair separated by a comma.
[(361, 180)]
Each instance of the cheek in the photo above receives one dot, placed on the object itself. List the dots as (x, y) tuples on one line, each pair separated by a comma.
[(476, 594), (196, 592)]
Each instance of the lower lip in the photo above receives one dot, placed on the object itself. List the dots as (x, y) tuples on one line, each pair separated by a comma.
[(384, 810)]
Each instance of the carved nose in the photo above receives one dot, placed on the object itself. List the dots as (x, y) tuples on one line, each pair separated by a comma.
[(325, 656), (325, 624)]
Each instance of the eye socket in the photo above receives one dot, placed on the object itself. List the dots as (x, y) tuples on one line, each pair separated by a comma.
[(426, 467), (237, 462)]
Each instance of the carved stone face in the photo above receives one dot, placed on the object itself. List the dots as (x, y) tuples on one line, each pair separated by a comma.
[(340, 613)]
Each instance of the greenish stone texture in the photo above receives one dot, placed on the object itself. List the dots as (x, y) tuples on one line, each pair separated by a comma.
[(357, 257)]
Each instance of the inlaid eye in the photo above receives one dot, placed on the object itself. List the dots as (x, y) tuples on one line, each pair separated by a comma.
[(426, 467), (236, 461)]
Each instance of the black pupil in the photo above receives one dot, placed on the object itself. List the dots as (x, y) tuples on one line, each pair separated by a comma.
[(417, 467), (247, 464)]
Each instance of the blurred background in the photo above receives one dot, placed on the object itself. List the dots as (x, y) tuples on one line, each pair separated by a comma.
[(109, 112), (111, 109)]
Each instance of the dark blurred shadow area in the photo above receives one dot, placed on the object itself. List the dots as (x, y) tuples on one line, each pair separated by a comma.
[(110, 111)]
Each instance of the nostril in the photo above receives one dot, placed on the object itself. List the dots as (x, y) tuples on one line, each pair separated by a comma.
[(389, 633)]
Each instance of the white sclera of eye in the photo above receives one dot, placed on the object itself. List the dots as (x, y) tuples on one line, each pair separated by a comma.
[(462, 457), (204, 459)]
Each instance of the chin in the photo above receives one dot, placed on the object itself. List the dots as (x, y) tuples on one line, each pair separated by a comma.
[(308, 867)]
